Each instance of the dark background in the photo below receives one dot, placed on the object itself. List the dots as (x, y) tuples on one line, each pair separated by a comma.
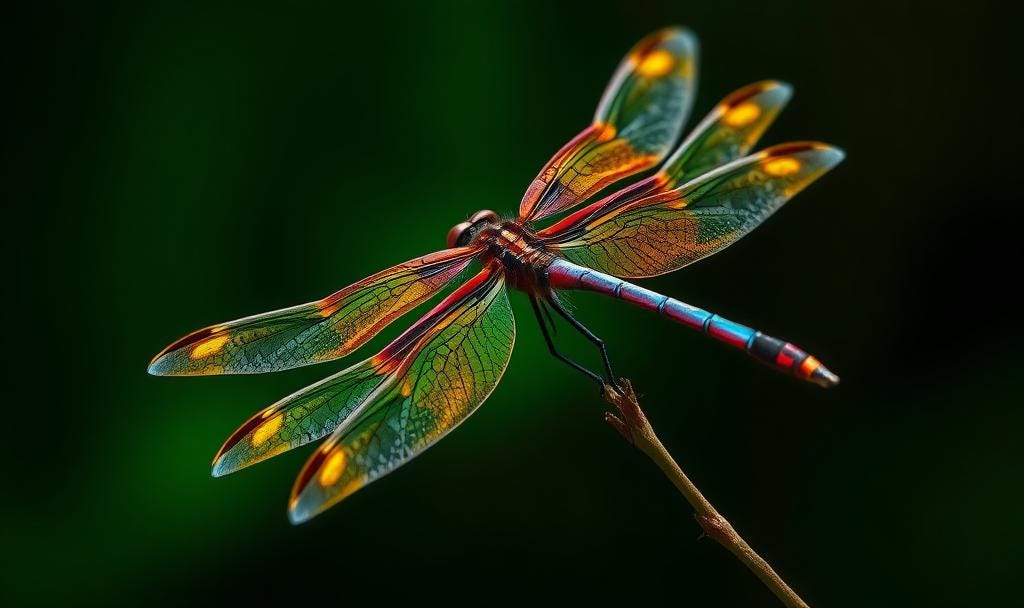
[(174, 166)]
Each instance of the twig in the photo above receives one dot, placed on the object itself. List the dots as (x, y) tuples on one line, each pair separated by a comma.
[(635, 428)]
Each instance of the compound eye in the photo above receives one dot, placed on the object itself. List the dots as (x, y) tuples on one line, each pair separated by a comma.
[(485, 215), (457, 232)]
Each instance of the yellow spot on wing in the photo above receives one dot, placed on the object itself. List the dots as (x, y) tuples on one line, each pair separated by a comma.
[(657, 63), (781, 167), (742, 115), (333, 468), (267, 430), (209, 347), (406, 388)]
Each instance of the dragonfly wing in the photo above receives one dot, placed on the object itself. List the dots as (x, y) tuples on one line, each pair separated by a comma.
[(315, 332), (666, 231), (445, 367), (639, 118), (728, 132), (300, 418)]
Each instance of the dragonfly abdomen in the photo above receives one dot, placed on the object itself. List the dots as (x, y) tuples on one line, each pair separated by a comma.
[(781, 355)]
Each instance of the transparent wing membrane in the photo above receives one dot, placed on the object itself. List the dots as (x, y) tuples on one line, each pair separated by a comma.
[(451, 368), (666, 231), (315, 332), (638, 120), (728, 132)]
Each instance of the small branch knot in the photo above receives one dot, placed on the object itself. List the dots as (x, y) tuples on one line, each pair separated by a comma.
[(715, 528)]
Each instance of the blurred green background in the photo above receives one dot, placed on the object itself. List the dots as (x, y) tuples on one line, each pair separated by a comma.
[(175, 166)]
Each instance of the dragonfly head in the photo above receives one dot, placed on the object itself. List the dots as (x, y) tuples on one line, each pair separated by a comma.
[(463, 233)]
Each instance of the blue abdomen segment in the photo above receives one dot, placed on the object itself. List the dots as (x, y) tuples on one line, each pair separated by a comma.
[(781, 355)]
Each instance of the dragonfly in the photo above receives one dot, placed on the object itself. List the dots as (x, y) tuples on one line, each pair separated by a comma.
[(702, 196)]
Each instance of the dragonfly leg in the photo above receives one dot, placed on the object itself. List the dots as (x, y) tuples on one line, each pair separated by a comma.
[(551, 343), (551, 320), (552, 301)]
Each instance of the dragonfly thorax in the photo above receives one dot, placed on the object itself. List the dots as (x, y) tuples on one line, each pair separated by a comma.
[(509, 242), (518, 250)]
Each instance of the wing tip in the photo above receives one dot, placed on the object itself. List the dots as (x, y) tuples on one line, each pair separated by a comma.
[(319, 485), (298, 515), (782, 89), (833, 155), (159, 366), (226, 460), (676, 30), (219, 468), (755, 105), (232, 458), (830, 155), (313, 498), (839, 153), (301, 506), (688, 41), (305, 501)]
